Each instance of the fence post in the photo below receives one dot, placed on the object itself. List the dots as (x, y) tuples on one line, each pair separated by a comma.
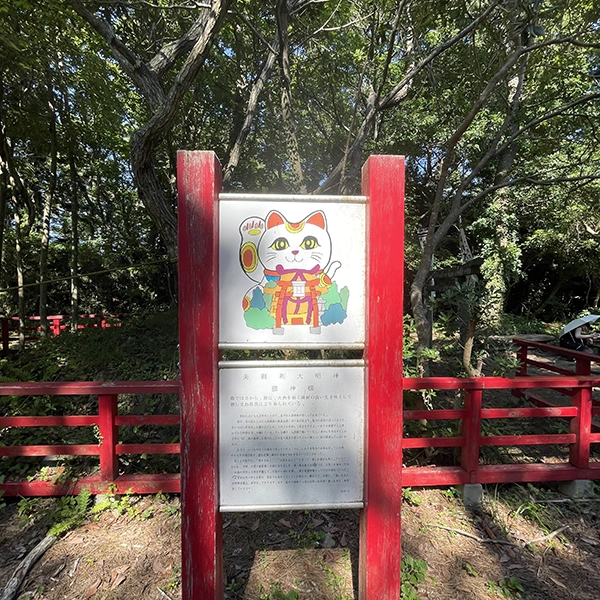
[(581, 426), (109, 435), (199, 184), (471, 433), (56, 326), (380, 534)]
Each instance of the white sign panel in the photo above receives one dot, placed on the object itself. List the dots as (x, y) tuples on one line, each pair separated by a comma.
[(291, 437), (291, 273)]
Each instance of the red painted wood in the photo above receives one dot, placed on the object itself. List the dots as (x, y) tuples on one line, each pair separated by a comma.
[(525, 413), (109, 435), (199, 183), (380, 538), (432, 415), (49, 450), (581, 426), (471, 427), (434, 476), (85, 388), (527, 440), (64, 421), (148, 420), (500, 383), (517, 473), (147, 448), (432, 442)]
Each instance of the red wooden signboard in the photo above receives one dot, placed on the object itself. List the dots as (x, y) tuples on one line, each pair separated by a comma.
[(199, 181)]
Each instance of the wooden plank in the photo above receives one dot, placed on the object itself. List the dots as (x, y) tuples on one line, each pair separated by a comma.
[(433, 476), (581, 427), (432, 415), (526, 413), (500, 383), (148, 420), (109, 436), (471, 428), (147, 448), (432, 442), (380, 536), (84, 388), (527, 440), (50, 450), (199, 183), (536, 472), (57, 421)]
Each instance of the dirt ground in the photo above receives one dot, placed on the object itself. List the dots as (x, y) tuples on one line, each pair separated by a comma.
[(526, 542)]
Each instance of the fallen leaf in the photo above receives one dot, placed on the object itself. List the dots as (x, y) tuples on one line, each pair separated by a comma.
[(255, 525), (93, 589), (118, 581), (159, 567), (285, 523), (562, 585)]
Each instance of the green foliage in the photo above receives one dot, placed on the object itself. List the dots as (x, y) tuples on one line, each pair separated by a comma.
[(70, 513), (276, 593), (414, 572), (410, 353), (510, 588), (411, 497), (64, 514), (125, 504)]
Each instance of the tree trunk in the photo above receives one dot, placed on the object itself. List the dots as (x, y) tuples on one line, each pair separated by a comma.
[(74, 244), (20, 276), (46, 211), (257, 88), (287, 112), (148, 77)]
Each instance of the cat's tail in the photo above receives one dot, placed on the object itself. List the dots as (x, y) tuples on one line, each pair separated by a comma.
[(251, 230), (332, 268)]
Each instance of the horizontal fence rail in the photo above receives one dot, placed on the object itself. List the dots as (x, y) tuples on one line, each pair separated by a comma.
[(577, 436), (107, 420)]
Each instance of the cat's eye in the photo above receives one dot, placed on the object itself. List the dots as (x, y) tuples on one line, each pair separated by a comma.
[(280, 244), (309, 243)]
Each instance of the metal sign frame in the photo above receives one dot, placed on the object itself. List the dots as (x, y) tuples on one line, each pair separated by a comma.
[(199, 187)]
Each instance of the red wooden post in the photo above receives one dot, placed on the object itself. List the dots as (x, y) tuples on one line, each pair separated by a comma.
[(109, 436), (56, 326), (581, 426), (380, 536), (471, 432), (199, 183)]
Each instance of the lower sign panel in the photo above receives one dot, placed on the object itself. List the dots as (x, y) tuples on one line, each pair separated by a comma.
[(291, 437)]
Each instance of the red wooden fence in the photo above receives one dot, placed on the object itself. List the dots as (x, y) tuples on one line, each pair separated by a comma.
[(9, 326), (107, 420), (578, 411)]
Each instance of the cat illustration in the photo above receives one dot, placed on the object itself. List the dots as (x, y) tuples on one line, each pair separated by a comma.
[(291, 264)]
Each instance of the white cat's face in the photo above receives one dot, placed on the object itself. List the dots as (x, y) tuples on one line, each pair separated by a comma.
[(295, 246)]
